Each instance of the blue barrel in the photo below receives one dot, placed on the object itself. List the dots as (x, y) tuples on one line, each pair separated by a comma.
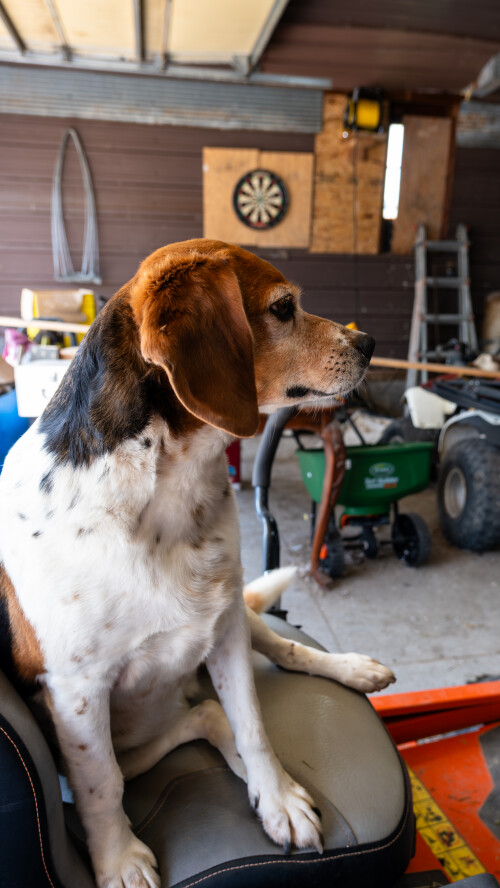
[(12, 426)]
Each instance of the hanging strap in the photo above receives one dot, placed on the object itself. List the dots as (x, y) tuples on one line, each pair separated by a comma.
[(63, 265)]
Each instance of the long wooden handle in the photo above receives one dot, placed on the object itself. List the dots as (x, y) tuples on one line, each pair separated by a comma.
[(452, 369), (396, 363), (57, 326)]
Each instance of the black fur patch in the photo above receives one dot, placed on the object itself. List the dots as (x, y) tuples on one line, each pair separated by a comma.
[(300, 391), (109, 393)]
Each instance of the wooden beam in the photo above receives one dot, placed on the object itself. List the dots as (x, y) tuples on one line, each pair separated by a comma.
[(139, 30), (396, 363), (57, 326), (449, 369), (424, 178), (11, 28), (56, 20)]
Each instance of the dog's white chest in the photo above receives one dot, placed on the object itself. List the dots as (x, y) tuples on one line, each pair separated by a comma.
[(141, 544)]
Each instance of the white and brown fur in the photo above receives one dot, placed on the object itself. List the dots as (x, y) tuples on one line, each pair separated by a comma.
[(119, 536)]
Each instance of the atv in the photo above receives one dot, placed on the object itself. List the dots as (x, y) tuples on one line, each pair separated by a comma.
[(469, 456)]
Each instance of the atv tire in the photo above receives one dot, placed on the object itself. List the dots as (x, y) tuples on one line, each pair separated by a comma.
[(411, 540), (402, 430), (469, 495)]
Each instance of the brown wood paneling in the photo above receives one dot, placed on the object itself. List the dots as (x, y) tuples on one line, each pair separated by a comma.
[(383, 56), (147, 182), (481, 19), (424, 180), (475, 202), (136, 214)]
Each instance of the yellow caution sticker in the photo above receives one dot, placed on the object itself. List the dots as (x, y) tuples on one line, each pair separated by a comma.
[(445, 842)]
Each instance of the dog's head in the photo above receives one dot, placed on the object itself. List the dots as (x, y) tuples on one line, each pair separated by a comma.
[(230, 333)]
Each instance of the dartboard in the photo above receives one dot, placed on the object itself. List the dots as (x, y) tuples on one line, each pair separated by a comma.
[(260, 199)]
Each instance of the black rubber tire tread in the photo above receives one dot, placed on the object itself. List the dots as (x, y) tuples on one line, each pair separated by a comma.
[(370, 542), (404, 430), (478, 526), (412, 525), (334, 563)]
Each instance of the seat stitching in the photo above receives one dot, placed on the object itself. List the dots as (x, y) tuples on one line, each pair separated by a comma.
[(288, 861), (180, 780), (36, 804)]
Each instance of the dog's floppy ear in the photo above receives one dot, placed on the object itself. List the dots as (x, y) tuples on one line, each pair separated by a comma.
[(192, 323)]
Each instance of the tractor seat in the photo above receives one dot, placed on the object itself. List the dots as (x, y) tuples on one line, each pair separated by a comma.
[(194, 813)]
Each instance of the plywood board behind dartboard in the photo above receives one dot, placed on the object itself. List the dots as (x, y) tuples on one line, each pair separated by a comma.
[(223, 168)]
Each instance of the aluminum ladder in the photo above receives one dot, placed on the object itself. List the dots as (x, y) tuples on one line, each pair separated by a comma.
[(463, 318)]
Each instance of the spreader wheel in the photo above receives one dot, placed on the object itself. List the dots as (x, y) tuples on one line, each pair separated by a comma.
[(411, 539), (332, 557), (369, 542)]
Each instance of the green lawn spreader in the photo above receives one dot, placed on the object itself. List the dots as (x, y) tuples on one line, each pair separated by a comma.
[(367, 481)]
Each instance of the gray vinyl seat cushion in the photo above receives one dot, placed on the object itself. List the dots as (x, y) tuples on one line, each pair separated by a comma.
[(195, 814)]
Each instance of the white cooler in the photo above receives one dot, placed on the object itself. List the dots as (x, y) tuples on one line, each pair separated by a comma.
[(36, 382)]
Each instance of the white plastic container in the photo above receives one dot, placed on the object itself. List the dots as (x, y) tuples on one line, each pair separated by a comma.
[(36, 382)]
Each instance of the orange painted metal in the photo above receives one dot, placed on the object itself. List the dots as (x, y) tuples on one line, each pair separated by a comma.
[(456, 775), (451, 769), (422, 714)]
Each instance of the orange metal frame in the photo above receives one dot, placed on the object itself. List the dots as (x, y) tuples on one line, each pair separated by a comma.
[(422, 714), (450, 776)]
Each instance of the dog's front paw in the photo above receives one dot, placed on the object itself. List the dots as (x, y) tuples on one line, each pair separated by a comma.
[(135, 867), (287, 813), (365, 674)]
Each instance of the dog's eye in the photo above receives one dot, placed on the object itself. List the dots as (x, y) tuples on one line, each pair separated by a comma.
[(283, 309)]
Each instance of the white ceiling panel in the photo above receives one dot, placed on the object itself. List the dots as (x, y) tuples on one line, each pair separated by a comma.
[(217, 26), (33, 21), (144, 32), (98, 27)]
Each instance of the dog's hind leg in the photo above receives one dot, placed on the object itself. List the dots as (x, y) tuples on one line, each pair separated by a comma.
[(354, 670), (206, 721), (81, 716)]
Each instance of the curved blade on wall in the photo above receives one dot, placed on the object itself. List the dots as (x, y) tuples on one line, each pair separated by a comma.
[(63, 266)]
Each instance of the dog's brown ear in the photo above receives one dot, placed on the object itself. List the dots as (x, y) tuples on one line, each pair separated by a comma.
[(192, 323)]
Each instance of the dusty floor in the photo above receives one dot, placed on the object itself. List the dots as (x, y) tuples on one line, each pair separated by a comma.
[(434, 625)]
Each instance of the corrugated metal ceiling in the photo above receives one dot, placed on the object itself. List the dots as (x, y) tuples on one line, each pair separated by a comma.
[(136, 99)]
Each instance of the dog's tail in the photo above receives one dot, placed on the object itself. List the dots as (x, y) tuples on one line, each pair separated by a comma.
[(261, 594)]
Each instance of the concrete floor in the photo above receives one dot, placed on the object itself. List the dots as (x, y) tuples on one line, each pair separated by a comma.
[(435, 625)]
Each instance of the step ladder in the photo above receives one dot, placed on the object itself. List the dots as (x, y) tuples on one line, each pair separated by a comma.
[(462, 319)]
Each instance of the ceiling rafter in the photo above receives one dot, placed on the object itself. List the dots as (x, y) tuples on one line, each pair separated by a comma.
[(11, 28), (167, 27), (58, 25), (139, 31)]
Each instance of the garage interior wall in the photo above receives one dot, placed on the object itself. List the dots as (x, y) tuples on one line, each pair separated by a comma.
[(148, 187)]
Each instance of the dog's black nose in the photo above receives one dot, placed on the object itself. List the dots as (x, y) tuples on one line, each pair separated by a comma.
[(366, 345)]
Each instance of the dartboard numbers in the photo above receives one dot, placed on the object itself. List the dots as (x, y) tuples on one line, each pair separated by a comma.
[(260, 199)]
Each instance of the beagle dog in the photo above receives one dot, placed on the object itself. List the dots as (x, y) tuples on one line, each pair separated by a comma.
[(119, 536)]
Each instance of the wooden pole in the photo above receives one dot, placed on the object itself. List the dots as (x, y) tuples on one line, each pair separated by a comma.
[(395, 363), (448, 369), (57, 326)]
